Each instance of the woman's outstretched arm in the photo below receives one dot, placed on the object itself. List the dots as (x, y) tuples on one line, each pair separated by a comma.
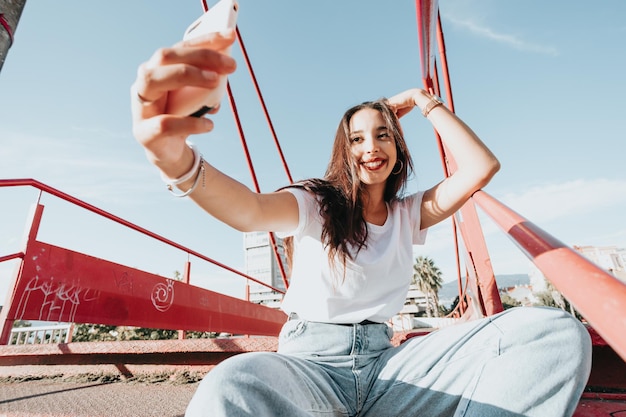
[(199, 63)]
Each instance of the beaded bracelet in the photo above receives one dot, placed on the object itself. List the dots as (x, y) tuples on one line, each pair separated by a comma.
[(197, 169)]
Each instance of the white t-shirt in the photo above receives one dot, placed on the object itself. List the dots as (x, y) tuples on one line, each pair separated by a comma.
[(376, 281)]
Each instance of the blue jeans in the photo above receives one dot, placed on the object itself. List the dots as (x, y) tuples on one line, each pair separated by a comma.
[(522, 362)]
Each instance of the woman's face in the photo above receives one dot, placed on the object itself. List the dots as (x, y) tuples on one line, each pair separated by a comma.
[(372, 146)]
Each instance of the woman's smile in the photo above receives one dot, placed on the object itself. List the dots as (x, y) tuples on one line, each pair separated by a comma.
[(374, 164)]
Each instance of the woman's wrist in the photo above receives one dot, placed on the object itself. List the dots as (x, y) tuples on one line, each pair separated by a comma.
[(190, 178), (186, 177), (426, 102), (175, 168)]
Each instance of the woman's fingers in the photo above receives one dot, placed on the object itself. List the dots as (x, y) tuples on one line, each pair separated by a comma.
[(153, 84), (167, 126), (405, 101), (195, 62), (179, 68), (163, 136), (401, 112)]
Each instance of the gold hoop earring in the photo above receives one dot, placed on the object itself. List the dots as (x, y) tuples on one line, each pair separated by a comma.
[(394, 172)]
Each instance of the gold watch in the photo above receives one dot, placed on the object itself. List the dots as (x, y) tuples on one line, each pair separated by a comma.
[(434, 102)]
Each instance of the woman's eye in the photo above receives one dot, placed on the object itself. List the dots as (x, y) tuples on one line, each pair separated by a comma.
[(383, 136), (356, 139)]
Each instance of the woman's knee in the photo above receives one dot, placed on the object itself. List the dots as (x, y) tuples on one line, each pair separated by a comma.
[(227, 387), (240, 371), (553, 331), (551, 321)]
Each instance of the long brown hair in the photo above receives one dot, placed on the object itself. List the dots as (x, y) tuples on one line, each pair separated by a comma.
[(340, 193)]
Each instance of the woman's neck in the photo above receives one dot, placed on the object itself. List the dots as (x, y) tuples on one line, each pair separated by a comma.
[(374, 209)]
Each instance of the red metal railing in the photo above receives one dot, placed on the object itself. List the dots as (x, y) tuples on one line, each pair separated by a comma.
[(596, 294), (73, 200), (57, 284)]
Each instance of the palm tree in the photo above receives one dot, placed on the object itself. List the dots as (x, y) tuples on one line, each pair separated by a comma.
[(427, 278)]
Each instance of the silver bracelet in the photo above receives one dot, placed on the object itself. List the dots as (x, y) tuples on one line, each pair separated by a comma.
[(189, 174), (197, 169), (200, 173)]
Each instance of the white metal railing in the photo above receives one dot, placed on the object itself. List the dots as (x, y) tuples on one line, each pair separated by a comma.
[(39, 335)]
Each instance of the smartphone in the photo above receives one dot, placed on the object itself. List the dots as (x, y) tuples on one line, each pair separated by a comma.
[(197, 101)]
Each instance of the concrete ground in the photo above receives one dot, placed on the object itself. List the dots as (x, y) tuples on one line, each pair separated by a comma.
[(49, 397), (131, 378)]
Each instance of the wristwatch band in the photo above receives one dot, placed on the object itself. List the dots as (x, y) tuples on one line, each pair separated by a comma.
[(434, 102)]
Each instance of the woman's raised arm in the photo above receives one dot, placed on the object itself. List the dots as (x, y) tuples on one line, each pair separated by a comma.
[(476, 164)]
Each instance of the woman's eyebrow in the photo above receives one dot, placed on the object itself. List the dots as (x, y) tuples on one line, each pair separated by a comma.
[(378, 129)]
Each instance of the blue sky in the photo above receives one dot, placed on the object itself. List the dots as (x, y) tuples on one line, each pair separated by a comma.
[(541, 83)]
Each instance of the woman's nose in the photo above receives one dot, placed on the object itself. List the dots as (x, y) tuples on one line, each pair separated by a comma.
[(371, 145)]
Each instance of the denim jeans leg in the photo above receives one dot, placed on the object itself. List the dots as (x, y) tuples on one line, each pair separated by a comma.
[(266, 384), (527, 362), (543, 366)]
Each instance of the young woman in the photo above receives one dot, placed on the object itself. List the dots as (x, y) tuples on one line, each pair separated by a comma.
[(353, 232)]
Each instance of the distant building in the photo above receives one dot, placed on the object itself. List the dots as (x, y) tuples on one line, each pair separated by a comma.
[(609, 258), (522, 293), (415, 303), (260, 263)]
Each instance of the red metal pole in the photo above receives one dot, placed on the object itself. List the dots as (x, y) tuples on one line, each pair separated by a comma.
[(265, 111), (186, 279), (444, 65), (244, 144), (484, 284), (6, 323), (12, 256), (425, 11)]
